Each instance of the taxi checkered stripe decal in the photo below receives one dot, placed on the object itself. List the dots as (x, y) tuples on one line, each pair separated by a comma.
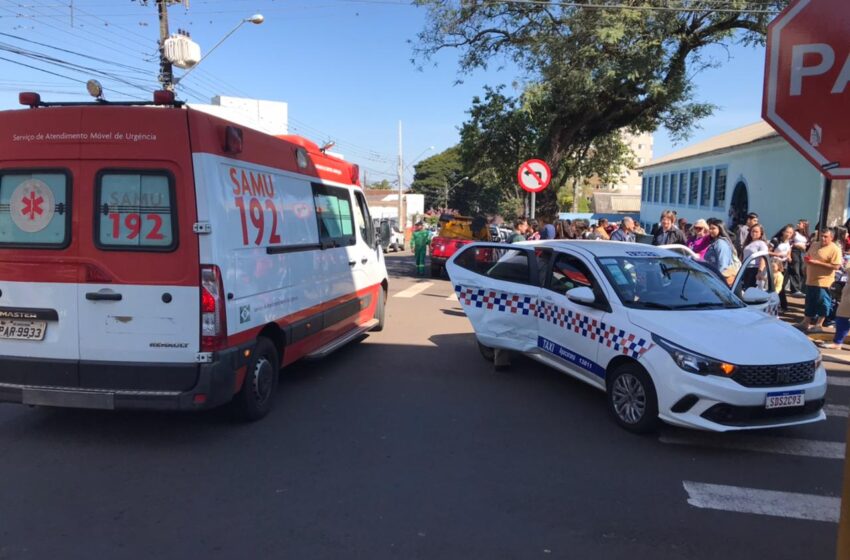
[(617, 339), (499, 301)]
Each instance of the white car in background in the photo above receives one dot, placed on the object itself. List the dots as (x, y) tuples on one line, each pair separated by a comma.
[(659, 333)]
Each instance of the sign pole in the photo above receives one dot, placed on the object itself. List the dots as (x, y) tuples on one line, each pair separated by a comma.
[(533, 205), (824, 209)]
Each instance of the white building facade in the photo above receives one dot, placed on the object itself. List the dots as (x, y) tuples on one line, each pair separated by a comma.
[(750, 169)]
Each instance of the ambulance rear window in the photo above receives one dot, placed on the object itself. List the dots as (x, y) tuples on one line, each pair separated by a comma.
[(333, 210), (135, 211), (34, 209)]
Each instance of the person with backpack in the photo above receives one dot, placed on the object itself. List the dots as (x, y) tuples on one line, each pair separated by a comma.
[(721, 254)]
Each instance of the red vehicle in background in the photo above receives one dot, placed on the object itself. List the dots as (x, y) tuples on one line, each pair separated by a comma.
[(455, 232)]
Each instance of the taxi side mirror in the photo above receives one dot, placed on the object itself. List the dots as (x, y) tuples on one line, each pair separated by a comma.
[(755, 296), (582, 296)]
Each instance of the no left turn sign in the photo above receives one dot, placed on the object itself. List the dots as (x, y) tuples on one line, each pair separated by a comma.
[(534, 175)]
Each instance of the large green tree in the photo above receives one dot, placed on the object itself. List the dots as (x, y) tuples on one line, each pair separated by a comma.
[(504, 131), (603, 69)]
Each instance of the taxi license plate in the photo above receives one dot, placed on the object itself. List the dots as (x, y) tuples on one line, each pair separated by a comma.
[(22, 330), (785, 399)]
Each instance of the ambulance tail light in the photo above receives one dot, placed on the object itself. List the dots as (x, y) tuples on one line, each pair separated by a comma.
[(29, 98), (213, 318), (163, 97), (355, 174)]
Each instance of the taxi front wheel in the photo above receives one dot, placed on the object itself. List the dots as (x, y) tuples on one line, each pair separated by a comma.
[(487, 352), (632, 399)]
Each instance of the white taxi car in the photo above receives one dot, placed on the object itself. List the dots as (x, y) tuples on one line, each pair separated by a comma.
[(658, 332)]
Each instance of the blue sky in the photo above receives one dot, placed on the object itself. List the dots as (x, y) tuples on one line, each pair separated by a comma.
[(343, 66)]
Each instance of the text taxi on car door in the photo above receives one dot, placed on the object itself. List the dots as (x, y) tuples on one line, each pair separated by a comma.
[(659, 333), (159, 257)]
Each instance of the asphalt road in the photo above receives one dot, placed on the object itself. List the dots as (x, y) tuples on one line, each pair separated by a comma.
[(408, 445)]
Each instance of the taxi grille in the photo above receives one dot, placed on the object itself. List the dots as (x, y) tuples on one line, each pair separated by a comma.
[(775, 375)]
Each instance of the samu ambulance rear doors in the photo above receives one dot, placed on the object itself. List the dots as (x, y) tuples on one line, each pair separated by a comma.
[(140, 305), (38, 275)]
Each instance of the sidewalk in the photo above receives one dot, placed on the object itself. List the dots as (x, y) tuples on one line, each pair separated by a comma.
[(795, 315)]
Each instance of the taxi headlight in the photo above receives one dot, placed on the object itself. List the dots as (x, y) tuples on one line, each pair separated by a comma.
[(693, 362)]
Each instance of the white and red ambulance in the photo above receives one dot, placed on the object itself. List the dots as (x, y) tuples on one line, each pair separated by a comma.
[(157, 256)]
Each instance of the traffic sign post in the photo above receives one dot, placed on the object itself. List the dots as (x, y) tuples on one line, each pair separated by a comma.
[(533, 176), (806, 88)]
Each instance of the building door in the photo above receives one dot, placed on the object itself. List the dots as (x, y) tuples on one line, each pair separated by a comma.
[(740, 205)]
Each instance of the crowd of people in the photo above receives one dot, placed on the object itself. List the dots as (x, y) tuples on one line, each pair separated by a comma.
[(803, 264)]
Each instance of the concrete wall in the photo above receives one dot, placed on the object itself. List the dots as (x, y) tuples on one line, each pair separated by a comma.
[(782, 186)]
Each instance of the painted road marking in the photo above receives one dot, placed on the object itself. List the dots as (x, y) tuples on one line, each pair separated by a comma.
[(780, 445), (413, 290), (452, 297), (762, 502), (839, 410), (838, 381)]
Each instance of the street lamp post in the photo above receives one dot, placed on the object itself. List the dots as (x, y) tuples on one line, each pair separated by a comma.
[(256, 19)]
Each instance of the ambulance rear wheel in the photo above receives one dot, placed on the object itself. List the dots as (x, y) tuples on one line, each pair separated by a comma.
[(436, 271), (256, 398)]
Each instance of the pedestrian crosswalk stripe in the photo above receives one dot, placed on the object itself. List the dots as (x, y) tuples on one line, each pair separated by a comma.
[(836, 410), (452, 297), (839, 381), (780, 445), (413, 290), (763, 502)]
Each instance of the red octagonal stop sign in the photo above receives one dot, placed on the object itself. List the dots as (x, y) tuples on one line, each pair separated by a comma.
[(807, 82)]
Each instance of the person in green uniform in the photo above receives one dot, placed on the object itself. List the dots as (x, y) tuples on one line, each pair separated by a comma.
[(419, 243)]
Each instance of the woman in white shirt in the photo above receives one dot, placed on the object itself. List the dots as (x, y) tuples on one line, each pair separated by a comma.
[(756, 270), (781, 245)]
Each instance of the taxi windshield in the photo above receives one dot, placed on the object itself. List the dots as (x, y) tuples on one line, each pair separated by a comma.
[(666, 283)]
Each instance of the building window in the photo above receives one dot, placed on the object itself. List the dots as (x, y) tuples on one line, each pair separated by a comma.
[(693, 190), (643, 189), (705, 193), (656, 194), (664, 183), (719, 187), (674, 188), (683, 188)]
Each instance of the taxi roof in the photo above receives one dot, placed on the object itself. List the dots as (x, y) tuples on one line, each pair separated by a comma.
[(599, 248)]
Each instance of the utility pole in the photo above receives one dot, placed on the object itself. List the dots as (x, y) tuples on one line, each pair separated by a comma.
[(166, 76), (401, 220)]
